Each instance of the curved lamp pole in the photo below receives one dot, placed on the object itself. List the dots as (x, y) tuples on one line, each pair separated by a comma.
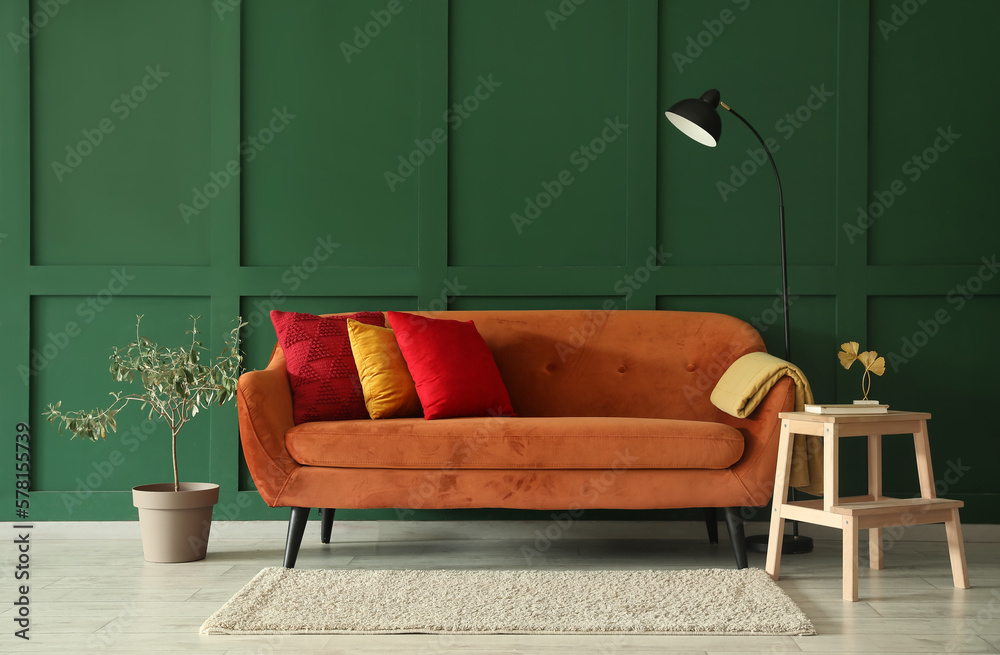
[(698, 118)]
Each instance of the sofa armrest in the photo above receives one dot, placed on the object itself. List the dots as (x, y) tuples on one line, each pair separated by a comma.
[(761, 430), (264, 403)]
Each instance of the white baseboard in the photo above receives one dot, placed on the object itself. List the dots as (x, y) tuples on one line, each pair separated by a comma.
[(978, 533)]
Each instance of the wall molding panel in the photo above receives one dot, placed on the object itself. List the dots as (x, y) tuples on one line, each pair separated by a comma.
[(170, 159)]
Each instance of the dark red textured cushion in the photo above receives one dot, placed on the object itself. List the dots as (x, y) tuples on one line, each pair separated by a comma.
[(321, 368), (452, 367)]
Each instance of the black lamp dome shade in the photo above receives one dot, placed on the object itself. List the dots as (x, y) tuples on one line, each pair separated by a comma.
[(698, 118)]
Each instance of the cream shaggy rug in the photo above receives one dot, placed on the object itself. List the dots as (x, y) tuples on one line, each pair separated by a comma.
[(713, 601)]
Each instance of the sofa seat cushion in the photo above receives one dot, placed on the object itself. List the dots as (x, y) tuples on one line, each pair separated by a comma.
[(517, 443)]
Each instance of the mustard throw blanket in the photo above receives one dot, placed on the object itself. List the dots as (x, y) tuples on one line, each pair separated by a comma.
[(745, 384)]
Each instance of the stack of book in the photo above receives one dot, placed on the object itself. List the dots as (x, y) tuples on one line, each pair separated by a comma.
[(857, 407)]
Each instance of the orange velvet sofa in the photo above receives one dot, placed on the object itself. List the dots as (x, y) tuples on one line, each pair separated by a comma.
[(613, 411)]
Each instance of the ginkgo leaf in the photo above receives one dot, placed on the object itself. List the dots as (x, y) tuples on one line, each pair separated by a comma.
[(872, 362), (849, 353)]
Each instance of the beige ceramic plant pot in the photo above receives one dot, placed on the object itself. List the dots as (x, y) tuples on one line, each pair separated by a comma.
[(175, 524)]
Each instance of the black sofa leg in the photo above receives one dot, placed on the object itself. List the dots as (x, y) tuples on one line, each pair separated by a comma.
[(327, 524), (296, 527), (734, 522), (712, 523)]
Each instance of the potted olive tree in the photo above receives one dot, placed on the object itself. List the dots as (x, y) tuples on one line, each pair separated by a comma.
[(174, 519)]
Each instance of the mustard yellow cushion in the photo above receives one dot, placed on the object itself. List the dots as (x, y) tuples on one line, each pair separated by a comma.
[(385, 381)]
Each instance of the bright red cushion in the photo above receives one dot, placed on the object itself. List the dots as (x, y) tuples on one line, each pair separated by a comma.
[(452, 367), (321, 368)]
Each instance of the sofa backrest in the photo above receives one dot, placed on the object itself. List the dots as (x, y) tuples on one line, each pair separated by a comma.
[(653, 364)]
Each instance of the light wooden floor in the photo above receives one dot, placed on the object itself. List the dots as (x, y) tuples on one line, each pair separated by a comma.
[(91, 594)]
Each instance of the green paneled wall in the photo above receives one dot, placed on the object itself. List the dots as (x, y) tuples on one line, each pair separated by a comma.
[(725, 192), (933, 148), (322, 174), (119, 124), (562, 106), (188, 157)]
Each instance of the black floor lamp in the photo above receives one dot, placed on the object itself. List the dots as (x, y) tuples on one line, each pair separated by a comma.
[(699, 119)]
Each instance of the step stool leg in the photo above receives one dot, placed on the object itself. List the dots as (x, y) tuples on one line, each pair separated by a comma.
[(776, 534), (876, 551), (850, 528), (956, 549)]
